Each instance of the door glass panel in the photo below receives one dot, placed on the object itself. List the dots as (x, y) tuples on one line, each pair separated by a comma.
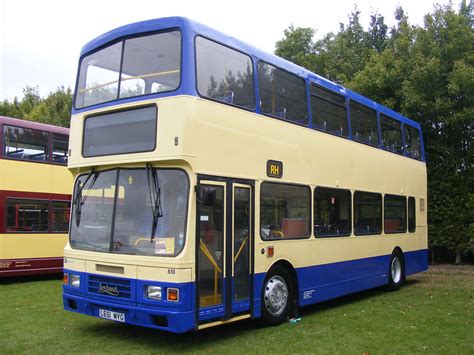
[(211, 245), (241, 243)]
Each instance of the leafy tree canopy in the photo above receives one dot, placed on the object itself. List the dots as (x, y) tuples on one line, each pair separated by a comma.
[(426, 73), (55, 109)]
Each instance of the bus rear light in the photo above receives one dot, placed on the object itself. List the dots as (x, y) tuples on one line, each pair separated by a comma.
[(173, 295), (65, 279)]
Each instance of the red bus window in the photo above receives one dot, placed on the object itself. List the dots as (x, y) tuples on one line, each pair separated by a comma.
[(27, 215), (61, 214)]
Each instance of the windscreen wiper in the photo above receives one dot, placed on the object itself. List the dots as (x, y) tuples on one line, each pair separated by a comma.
[(77, 202), (155, 198)]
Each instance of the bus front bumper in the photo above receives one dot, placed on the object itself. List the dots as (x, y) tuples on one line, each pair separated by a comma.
[(173, 321)]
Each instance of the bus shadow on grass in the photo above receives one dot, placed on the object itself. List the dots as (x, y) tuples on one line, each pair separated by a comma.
[(171, 342), (196, 340)]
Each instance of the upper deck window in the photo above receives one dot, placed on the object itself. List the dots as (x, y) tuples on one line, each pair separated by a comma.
[(25, 144), (412, 142), (150, 64), (329, 111), (282, 94), (224, 74), (391, 134), (364, 124), (60, 145)]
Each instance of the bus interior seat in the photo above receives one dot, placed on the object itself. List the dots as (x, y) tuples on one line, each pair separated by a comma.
[(229, 98), (280, 112), (294, 227)]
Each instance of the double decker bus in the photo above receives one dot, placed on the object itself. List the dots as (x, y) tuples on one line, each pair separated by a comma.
[(35, 195), (215, 182)]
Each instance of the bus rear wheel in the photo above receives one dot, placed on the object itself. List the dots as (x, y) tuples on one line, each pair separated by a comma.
[(396, 272), (277, 296)]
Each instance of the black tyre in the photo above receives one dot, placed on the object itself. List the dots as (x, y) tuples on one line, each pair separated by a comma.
[(396, 271), (277, 296)]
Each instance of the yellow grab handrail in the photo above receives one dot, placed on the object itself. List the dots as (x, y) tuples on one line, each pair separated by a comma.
[(208, 255), (240, 249), (131, 78), (217, 269), (140, 240)]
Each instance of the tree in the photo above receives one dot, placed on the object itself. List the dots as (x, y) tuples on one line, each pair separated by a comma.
[(55, 109), (439, 94), (336, 56), (297, 46), (377, 33), (427, 73)]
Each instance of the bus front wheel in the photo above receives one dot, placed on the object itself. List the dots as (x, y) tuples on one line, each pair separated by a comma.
[(396, 271), (277, 296)]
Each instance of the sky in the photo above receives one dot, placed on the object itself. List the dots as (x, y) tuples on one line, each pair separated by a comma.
[(40, 40)]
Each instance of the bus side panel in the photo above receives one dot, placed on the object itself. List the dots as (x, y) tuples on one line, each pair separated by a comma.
[(323, 282), (416, 261), (30, 266)]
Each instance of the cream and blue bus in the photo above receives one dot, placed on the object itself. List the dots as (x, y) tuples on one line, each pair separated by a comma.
[(215, 182)]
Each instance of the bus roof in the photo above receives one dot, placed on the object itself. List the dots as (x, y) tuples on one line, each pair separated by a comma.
[(17, 122), (194, 28)]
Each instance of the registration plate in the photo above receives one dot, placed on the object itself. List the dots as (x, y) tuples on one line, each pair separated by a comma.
[(116, 316)]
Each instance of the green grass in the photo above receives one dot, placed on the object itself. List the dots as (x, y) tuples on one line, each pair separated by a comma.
[(432, 313)]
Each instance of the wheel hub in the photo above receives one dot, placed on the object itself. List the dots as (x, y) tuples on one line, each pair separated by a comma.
[(276, 295), (396, 270)]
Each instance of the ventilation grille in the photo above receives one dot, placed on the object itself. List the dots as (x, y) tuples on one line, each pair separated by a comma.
[(422, 205)]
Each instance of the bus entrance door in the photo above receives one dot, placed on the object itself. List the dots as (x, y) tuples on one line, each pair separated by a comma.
[(224, 217)]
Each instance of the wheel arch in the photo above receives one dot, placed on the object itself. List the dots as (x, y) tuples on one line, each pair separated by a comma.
[(291, 269)]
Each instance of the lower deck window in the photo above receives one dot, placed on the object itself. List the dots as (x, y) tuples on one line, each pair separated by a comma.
[(60, 217), (332, 212), (37, 216), (27, 215), (367, 213), (411, 215), (284, 211), (395, 214)]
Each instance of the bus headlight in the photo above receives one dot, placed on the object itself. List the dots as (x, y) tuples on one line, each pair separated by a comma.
[(75, 280), (153, 292)]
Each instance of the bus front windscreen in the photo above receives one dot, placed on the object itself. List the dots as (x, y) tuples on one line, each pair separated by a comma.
[(130, 211), (132, 67)]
